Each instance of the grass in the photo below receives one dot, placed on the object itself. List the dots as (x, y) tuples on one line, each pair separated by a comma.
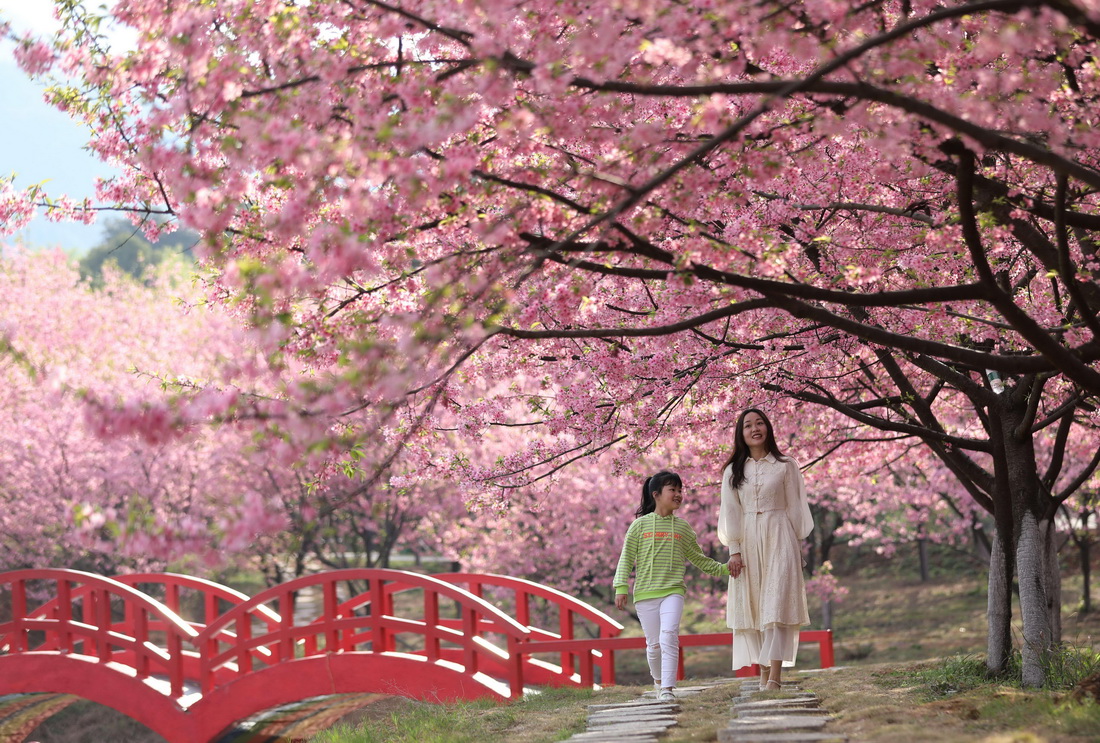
[(952, 702), (879, 703), (549, 715)]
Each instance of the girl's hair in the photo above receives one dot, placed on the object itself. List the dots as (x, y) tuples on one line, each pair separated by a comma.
[(654, 485), (741, 450)]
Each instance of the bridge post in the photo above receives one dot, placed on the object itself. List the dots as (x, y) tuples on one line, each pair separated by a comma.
[(380, 641), (285, 646), (330, 604), (101, 618), (523, 607), (565, 625), (431, 620), (18, 613), (64, 616)]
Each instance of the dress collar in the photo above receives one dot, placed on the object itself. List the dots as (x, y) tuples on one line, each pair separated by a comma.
[(769, 457)]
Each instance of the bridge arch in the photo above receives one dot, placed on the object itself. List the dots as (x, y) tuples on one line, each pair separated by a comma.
[(111, 686), (101, 639)]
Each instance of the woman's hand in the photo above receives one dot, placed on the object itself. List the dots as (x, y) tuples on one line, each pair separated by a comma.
[(620, 601), (736, 565)]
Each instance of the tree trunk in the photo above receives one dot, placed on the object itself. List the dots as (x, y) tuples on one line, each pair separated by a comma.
[(1017, 477), (1031, 550), (922, 551), (1086, 576), (999, 612), (1053, 579), (981, 542)]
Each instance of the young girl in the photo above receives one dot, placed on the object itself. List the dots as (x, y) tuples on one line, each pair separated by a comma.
[(656, 544)]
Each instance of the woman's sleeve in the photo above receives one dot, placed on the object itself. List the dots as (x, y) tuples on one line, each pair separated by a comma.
[(729, 516), (798, 506)]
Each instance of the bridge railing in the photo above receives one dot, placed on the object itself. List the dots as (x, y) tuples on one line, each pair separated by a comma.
[(573, 617), (586, 649), (111, 620), (176, 589), (366, 620), (88, 618)]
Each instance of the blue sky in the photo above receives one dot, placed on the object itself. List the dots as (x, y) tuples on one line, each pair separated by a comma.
[(38, 142)]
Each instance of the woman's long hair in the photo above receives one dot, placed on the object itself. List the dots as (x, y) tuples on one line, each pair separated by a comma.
[(653, 485), (741, 449)]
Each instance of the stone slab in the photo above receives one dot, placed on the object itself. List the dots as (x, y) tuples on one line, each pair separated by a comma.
[(636, 711), (632, 727), (714, 685), (633, 714), (742, 736), (779, 722), (753, 699), (741, 711), (796, 711), (629, 718), (602, 738), (778, 704), (683, 690), (646, 703), (784, 690)]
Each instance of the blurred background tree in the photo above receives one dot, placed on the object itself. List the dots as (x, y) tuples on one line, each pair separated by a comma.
[(125, 246)]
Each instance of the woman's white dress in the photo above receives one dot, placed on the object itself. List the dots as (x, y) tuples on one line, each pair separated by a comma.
[(766, 519)]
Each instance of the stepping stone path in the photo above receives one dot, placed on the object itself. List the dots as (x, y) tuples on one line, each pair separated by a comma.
[(796, 717), (639, 721)]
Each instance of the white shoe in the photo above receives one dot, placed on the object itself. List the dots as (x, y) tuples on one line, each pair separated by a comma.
[(666, 695)]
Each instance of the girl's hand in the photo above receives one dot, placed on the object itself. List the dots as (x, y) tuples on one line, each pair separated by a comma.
[(735, 565), (620, 601)]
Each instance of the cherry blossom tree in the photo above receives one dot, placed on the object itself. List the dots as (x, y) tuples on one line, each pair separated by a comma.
[(633, 217), (75, 491)]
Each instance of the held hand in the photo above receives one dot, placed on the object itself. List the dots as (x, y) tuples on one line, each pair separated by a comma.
[(736, 566), (620, 601)]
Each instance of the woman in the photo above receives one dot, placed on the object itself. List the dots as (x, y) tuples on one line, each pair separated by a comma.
[(763, 520)]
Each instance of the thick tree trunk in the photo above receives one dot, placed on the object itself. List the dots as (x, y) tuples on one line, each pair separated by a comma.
[(999, 612), (1017, 477), (1031, 550)]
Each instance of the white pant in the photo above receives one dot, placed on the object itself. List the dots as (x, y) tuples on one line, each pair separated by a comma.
[(660, 620)]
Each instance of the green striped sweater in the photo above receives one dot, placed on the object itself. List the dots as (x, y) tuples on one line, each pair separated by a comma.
[(656, 548)]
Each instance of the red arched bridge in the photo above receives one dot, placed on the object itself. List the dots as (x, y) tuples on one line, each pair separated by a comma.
[(188, 657)]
